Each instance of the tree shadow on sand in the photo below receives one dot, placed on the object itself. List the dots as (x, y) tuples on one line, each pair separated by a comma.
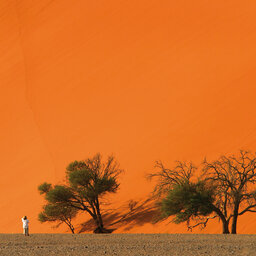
[(130, 215)]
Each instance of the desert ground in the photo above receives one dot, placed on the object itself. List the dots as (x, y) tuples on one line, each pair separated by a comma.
[(127, 244)]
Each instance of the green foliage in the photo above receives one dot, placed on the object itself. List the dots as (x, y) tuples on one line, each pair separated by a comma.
[(59, 194), (42, 217), (44, 188), (92, 178), (76, 165), (80, 178), (188, 200), (57, 212)]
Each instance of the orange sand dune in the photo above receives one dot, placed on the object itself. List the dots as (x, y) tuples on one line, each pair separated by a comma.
[(144, 80)]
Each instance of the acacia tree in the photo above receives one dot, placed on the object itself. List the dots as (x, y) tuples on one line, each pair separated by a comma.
[(224, 189), (88, 182), (234, 178), (182, 195)]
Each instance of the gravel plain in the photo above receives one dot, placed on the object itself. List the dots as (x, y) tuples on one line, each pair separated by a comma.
[(127, 244)]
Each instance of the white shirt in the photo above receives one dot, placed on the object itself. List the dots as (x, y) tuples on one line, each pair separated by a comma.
[(25, 223)]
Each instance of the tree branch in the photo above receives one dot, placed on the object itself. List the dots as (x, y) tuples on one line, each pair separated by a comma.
[(202, 223)]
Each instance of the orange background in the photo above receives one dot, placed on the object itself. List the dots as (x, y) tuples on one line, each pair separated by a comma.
[(144, 80)]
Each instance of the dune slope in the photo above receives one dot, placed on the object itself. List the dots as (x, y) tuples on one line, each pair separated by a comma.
[(144, 80)]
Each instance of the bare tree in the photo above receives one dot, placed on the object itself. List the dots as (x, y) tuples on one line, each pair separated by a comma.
[(234, 178), (167, 178)]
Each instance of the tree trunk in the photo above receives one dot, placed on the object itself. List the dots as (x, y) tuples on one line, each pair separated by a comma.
[(99, 217), (100, 228), (234, 224), (234, 220), (72, 229), (225, 229)]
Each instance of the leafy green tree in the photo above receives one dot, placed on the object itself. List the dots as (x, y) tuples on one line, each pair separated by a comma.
[(182, 195), (88, 182)]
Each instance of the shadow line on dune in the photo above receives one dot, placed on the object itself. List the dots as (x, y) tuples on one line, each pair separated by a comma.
[(130, 215)]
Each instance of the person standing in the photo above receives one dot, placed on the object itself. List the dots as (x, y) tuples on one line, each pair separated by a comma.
[(25, 222)]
